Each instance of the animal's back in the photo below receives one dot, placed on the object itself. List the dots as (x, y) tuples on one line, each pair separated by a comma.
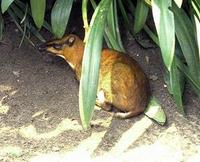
[(124, 83)]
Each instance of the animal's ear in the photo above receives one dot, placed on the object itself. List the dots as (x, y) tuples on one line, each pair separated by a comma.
[(70, 41)]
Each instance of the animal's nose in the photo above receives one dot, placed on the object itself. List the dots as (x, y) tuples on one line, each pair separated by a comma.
[(42, 47)]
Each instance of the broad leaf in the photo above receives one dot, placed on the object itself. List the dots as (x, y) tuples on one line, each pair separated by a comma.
[(38, 11), (164, 21), (141, 13), (188, 75), (197, 23), (127, 22), (18, 12), (22, 6), (112, 28), (91, 60), (5, 4), (187, 41), (60, 16), (177, 84), (111, 31), (155, 111)]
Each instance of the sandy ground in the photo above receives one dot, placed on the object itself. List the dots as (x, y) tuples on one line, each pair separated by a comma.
[(39, 117)]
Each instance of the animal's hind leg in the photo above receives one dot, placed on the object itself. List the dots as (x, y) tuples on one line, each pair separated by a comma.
[(105, 106), (100, 101)]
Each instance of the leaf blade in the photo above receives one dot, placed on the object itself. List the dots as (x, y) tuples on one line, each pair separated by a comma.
[(90, 65), (186, 39), (155, 111), (60, 15), (141, 13), (164, 22), (38, 11), (177, 85), (5, 5)]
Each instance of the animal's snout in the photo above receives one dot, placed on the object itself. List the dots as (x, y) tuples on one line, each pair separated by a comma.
[(42, 47)]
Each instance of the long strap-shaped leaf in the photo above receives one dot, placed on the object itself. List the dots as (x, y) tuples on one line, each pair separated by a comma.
[(187, 41), (141, 13), (60, 15), (22, 6), (188, 75), (177, 83), (127, 22), (111, 31), (164, 21), (197, 23), (5, 4), (38, 10), (90, 65)]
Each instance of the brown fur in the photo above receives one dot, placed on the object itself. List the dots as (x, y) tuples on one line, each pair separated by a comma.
[(122, 83)]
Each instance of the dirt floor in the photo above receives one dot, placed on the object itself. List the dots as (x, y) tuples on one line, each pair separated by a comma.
[(39, 117)]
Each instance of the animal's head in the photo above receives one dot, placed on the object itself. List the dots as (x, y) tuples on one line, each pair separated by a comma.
[(69, 47)]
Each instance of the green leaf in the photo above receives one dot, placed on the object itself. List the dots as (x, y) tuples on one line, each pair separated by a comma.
[(22, 6), (60, 16), (187, 41), (164, 22), (111, 20), (18, 14), (175, 79), (5, 4), (152, 35), (112, 28), (177, 85), (38, 11), (90, 65), (184, 69), (127, 22), (141, 13), (196, 8), (155, 111), (118, 36), (197, 23)]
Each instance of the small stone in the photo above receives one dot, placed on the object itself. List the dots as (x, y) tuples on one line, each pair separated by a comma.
[(16, 73), (153, 77)]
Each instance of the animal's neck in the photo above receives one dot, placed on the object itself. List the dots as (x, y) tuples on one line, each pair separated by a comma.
[(78, 61)]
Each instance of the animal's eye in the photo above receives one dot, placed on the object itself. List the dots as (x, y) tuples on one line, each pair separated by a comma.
[(57, 46), (70, 41)]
